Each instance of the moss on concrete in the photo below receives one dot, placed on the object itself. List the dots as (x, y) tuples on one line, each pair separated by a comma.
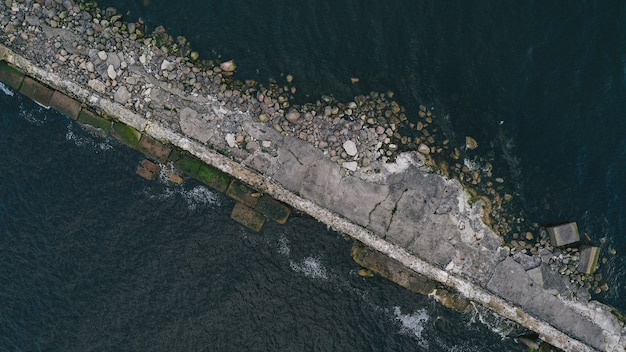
[(213, 178), (126, 134), (188, 164), (154, 149), (248, 217), (10, 75), (92, 119), (242, 193), (273, 209)]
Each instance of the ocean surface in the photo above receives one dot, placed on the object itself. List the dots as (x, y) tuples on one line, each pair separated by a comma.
[(94, 258)]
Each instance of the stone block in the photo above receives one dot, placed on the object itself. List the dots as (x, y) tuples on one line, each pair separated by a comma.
[(273, 209), (213, 177), (65, 105), (154, 149), (242, 193), (188, 164), (36, 91), (562, 235), (148, 170), (391, 269), (10, 75), (248, 217), (588, 259), (126, 134), (92, 119)]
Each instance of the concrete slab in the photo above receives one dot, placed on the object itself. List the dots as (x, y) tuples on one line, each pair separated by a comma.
[(588, 259), (36, 91), (65, 105), (242, 193), (248, 217), (154, 149), (273, 209), (11, 76), (562, 235)]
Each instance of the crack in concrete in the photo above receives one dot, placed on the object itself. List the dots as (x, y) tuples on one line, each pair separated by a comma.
[(393, 212)]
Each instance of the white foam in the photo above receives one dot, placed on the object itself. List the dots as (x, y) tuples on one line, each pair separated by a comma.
[(311, 267), (86, 141), (195, 197), (413, 324), (6, 90), (283, 246)]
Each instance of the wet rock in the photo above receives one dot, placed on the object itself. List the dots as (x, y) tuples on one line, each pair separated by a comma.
[(470, 143), (228, 66), (424, 149)]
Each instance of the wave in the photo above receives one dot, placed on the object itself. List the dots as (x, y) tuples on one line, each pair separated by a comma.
[(6, 90), (311, 267), (412, 324)]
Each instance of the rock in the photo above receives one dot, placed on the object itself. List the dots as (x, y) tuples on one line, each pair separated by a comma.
[(97, 85), (90, 66), (231, 140), (350, 165), (350, 148), (122, 95), (263, 118), (113, 59), (423, 148), (470, 143), (529, 236), (111, 72), (102, 55), (293, 116), (289, 78), (366, 273), (166, 66), (228, 66), (194, 55)]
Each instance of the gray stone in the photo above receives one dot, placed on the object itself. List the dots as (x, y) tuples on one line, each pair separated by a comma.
[(350, 165), (114, 60), (122, 95), (97, 86), (528, 262), (195, 126), (111, 72), (102, 55), (350, 147), (90, 66), (293, 116)]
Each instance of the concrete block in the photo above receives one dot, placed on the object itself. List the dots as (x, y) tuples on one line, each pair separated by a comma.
[(90, 118), (273, 209), (391, 269), (126, 134), (36, 91), (242, 193), (65, 105), (588, 259), (10, 75), (154, 149), (148, 170), (562, 235), (214, 178), (248, 217)]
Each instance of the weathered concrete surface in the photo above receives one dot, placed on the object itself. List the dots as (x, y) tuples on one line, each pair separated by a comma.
[(419, 219)]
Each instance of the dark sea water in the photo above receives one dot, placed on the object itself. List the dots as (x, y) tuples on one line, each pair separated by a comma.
[(92, 257)]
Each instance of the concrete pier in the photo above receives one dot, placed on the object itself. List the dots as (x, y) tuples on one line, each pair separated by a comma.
[(400, 209)]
